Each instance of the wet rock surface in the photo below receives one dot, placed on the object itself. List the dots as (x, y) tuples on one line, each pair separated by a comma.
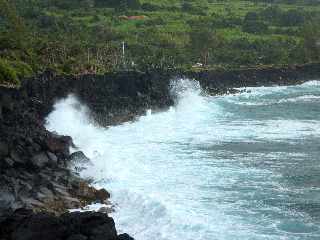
[(25, 225)]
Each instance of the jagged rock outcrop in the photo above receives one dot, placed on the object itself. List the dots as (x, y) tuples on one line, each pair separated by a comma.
[(33, 163), (25, 225)]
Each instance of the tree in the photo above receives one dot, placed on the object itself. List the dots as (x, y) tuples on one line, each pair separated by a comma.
[(254, 27), (121, 5), (311, 41), (203, 41), (15, 29)]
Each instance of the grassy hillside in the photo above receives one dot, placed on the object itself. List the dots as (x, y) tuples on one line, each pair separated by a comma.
[(79, 36)]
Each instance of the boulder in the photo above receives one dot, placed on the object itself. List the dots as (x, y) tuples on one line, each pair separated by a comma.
[(79, 158), (59, 144), (7, 199), (124, 236), (85, 192), (71, 203), (15, 156), (23, 224), (102, 195), (9, 161), (96, 226), (53, 158), (78, 161), (39, 226), (89, 194), (40, 160)]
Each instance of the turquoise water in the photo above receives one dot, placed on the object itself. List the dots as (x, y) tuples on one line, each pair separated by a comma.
[(245, 166)]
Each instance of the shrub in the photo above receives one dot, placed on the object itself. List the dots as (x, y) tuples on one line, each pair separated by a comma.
[(254, 27), (8, 75), (131, 4), (196, 8), (22, 69), (150, 7)]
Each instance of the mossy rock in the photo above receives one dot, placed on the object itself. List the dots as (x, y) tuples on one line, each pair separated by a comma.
[(8, 76)]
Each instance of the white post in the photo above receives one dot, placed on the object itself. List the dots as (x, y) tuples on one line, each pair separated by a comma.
[(123, 49), (123, 54)]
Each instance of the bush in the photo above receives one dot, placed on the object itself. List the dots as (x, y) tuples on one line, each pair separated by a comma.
[(292, 17), (71, 4), (150, 7), (194, 8), (22, 69), (8, 75), (255, 27), (131, 4)]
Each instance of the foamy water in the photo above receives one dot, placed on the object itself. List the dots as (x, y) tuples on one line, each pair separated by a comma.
[(232, 167)]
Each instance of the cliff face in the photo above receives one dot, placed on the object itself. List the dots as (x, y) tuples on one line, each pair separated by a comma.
[(112, 98), (256, 76)]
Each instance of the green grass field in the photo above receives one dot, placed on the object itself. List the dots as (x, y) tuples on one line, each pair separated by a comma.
[(85, 36)]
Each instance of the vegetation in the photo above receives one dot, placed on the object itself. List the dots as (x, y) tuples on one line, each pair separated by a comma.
[(81, 36), (8, 76)]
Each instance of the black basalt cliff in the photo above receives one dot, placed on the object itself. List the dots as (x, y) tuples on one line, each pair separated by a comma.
[(112, 98), (255, 77)]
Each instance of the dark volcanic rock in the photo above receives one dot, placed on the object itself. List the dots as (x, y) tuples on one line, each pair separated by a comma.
[(7, 200), (77, 237), (53, 158), (88, 194), (25, 225), (91, 224), (4, 149), (9, 161), (79, 157), (33, 161), (59, 144), (124, 236), (254, 77), (15, 156), (102, 195), (39, 226), (40, 160)]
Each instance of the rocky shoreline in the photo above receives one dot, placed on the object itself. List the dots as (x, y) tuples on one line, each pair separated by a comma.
[(37, 185), (255, 77)]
